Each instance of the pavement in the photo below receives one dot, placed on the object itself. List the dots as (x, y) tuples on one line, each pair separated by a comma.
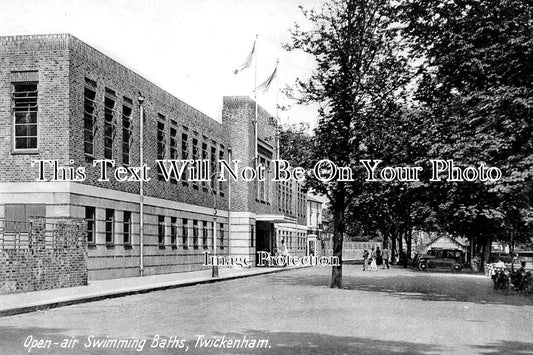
[(18, 303)]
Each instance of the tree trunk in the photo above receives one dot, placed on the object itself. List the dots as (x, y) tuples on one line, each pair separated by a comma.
[(393, 249), (408, 241), (338, 236), (486, 251)]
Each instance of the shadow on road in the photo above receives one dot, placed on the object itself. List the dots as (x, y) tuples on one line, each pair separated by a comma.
[(506, 347), (414, 285), (278, 343)]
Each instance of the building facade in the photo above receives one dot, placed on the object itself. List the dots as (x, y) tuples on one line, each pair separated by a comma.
[(69, 106)]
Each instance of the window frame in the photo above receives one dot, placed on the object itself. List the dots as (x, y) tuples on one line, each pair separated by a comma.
[(161, 231), (126, 229), (13, 118), (109, 233), (185, 233)]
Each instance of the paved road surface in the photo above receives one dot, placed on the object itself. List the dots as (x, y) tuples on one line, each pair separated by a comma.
[(388, 311)]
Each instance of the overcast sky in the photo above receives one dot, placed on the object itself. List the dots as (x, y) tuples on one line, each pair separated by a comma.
[(187, 47)]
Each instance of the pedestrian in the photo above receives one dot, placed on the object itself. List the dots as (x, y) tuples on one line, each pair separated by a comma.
[(379, 258), (283, 249), (284, 252), (366, 254), (386, 255), (373, 264)]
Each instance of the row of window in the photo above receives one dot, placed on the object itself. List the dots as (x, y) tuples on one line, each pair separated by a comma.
[(168, 134), (192, 147), (286, 202), (296, 240), (186, 231)]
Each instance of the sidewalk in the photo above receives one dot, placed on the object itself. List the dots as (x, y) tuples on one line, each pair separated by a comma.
[(17, 303)]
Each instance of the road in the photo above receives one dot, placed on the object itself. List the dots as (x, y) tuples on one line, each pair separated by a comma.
[(293, 312)]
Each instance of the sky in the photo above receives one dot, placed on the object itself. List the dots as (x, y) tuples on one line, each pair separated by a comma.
[(189, 48)]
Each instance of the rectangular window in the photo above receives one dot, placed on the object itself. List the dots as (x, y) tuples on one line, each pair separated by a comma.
[(195, 234), (126, 134), (174, 232), (173, 148), (89, 121), (184, 152), (90, 214), (185, 233), (204, 157), (195, 157), (17, 216), (161, 142), (109, 125), (109, 226), (25, 115), (221, 235), (220, 183), (205, 232), (126, 226), (161, 231), (213, 164)]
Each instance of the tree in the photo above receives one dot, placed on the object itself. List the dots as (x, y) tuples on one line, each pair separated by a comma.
[(477, 83), (296, 145), (360, 71)]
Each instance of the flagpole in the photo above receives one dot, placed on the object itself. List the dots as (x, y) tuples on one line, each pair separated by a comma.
[(278, 131), (255, 99)]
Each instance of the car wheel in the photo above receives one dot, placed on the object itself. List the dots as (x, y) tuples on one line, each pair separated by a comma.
[(423, 266), (456, 268)]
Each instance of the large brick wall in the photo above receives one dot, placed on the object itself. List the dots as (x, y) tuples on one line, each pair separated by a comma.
[(41, 266), (47, 57)]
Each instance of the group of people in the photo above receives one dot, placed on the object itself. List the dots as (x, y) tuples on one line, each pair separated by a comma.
[(376, 258)]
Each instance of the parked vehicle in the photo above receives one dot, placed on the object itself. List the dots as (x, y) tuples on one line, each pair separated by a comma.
[(442, 259)]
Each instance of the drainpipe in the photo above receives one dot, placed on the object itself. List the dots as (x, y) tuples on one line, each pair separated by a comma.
[(141, 189)]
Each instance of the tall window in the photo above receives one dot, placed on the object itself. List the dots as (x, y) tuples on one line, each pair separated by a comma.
[(174, 232), (126, 227), (184, 152), (161, 231), (185, 233), (205, 232), (109, 123), (90, 219), (213, 163), (25, 115), (109, 226), (89, 121), (126, 133), (204, 157), (195, 157), (173, 147), (195, 234), (220, 183), (161, 140), (221, 235)]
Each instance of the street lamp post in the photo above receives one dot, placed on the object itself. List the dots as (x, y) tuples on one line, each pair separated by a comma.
[(214, 272), (141, 185)]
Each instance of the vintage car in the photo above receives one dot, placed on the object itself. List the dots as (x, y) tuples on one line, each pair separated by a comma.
[(442, 259)]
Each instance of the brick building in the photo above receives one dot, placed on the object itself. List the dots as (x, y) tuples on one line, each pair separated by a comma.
[(61, 99)]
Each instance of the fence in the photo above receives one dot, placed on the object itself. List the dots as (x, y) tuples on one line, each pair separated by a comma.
[(351, 250), (42, 254)]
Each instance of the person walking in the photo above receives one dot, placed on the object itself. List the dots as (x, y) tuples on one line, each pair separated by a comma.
[(385, 254), (379, 258), (366, 254), (373, 263)]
